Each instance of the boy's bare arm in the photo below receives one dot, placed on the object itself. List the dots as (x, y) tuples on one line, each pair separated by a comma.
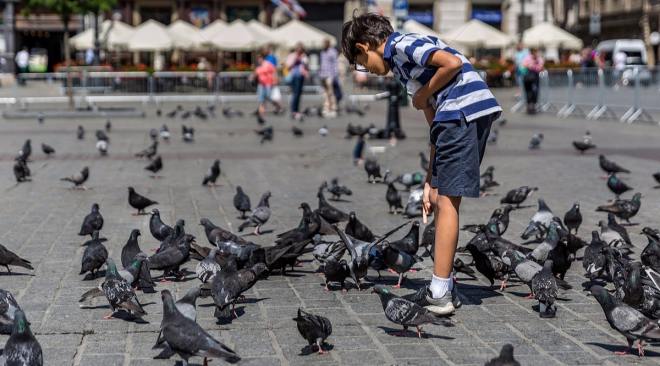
[(448, 66)]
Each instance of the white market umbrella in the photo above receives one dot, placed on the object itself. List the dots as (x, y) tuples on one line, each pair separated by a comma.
[(477, 34), (413, 26), (185, 36), (210, 30), (150, 36), (261, 30), (114, 33), (548, 35), (295, 32), (238, 37)]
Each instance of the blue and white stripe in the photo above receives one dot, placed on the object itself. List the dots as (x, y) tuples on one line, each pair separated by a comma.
[(465, 96)]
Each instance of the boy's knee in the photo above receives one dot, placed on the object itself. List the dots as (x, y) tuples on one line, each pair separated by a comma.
[(447, 202)]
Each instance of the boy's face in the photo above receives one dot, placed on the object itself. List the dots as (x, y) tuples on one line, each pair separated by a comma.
[(370, 59)]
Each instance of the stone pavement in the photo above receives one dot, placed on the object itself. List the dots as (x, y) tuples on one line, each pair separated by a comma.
[(40, 220)]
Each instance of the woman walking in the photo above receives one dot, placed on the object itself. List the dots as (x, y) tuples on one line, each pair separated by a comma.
[(297, 64)]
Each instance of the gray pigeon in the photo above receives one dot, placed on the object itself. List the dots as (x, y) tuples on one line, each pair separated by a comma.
[(186, 338), (259, 215), (8, 307), (544, 288), (22, 348), (208, 267), (629, 322), (314, 328), (406, 313), (7, 258), (539, 223)]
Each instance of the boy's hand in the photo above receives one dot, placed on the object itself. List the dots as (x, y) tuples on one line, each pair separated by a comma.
[(420, 100), (429, 196)]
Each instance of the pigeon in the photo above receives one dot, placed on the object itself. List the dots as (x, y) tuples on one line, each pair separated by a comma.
[(8, 307), (187, 305), (616, 185), (230, 112), (314, 328), (208, 267), (594, 260), (186, 338), (359, 251), (535, 142), (611, 237), (173, 113), (609, 166), (544, 288), (149, 152), (155, 166), (25, 151), (297, 131), (335, 271), (80, 133), (526, 269), (462, 267), (406, 313), (117, 291), (423, 161), (330, 213), (650, 256), (539, 223), (398, 261), (229, 285), (372, 168), (187, 134), (108, 126), (482, 263), (7, 258), (336, 190), (131, 248), (629, 322), (573, 218), (102, 147), (40, 119), (428, 237), (164, 133), (92, 222), (518, 195), (323, 131), (138, 201), (22, 348), (94, 257), (410, 179), (21, 171), (266, 134), (102, 136), (171, 257), (212, 175), (409, 243), (583, 146), (159, 230), (79, 179), (615, 226), (622, 208), (393, 198), (241, 201), (259, 215), (186, 115), (505, 358), (488, 182), (356, 229), (414, 204), (47, 149)]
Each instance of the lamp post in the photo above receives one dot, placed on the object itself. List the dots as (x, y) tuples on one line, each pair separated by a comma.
[(8, 32)]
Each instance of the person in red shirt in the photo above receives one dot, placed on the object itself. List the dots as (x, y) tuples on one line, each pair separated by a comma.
[(266, 75)]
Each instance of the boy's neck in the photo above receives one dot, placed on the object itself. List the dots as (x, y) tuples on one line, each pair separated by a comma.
[(380, 50)]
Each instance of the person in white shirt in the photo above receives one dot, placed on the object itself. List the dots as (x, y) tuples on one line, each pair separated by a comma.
[(22, 60), (619, 61)]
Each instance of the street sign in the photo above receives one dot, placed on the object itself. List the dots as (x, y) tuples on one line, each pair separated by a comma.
[(400, 8)]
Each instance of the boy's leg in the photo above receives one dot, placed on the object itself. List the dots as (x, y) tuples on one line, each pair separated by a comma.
[(446, 235)]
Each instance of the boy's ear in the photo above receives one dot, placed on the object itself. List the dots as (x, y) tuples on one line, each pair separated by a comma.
[(362, 47)]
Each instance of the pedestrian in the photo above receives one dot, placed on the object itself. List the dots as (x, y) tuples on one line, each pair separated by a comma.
[(328, 73), (23, 60), (266, 75), (297, 65), (532, 66), (521, 53), (459, 109), (619, 59)]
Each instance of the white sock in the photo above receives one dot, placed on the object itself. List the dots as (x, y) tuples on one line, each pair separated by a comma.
[(440, 286)]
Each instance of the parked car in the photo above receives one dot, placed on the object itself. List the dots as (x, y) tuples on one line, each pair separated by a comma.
[(635, 51)]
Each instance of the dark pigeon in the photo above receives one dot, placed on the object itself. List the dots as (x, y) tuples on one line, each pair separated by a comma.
[(138, 201), (409, 243), (159, 230), (94, 257), (651, 253), (338, 190), (22, 348), (616, 185), (80, 133), (155, 166), (518, 195), (335, 271), (47, 149), (393, 198), (609, 166), (259, 215), (149, 152), (92, 222), (212, 175), (9, 258), (79, 179), (21, 171), (26, 151), (356, 229), (241, 201), (398, 261), (573, 218), (372, 168), (624, 209), (330, 213), (314, 328), (228, 286), (131, 248), (583, 146)]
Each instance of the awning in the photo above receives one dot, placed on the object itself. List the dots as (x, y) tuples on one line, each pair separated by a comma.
[(477, 34), (112, 35), (186, 36), (237, 36), (210, 30), (261, 30), (295, 32), (150, 36), (547, 35)]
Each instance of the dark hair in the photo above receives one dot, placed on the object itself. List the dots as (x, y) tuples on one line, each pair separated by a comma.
[(370, 28)]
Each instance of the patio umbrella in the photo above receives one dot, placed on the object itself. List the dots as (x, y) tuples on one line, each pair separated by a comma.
[(413, 26), (548, 35), (261, 30), (477, 34), (295, 32), (185, 36), (150, 36), (212, 29), (237, 36), (115, 34)]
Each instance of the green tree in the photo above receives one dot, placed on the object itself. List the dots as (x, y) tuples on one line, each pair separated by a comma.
[(97, 7), (66, 9)]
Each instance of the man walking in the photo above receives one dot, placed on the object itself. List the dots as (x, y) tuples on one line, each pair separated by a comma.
[(328, 74)]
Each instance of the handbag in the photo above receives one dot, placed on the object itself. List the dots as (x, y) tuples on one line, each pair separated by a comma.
[(275, 94)]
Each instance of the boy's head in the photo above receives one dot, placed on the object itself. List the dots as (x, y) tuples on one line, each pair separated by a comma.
[(362, 42)]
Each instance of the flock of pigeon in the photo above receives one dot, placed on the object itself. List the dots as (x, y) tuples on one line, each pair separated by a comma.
[(231, 265)]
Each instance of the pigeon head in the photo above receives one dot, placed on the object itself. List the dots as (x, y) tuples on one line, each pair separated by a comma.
[(131, 190), (95, 207), (595, 236), (381, 290), (637, 197), (576, 206), (155, 212), (239, 189), (507, 209), (603, 297), (351, 217), (305, 207), (135, 233), (260, 270), (111, 269), (21, 324), (216, 162), (169, 308), (506, 354), (415, 225), (602, 225), (542, 205)]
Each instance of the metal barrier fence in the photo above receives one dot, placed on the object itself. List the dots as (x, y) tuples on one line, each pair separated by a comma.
[(628, 95)]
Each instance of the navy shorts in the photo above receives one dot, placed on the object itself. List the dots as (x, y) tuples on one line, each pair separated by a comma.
[(459, 149)]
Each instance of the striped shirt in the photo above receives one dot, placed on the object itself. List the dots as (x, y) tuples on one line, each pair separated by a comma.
[(465, 96)]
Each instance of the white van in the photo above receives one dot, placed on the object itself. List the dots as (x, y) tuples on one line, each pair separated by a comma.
[(635, 51)]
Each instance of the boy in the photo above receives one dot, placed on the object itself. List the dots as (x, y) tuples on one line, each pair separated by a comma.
[(459, 109)]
